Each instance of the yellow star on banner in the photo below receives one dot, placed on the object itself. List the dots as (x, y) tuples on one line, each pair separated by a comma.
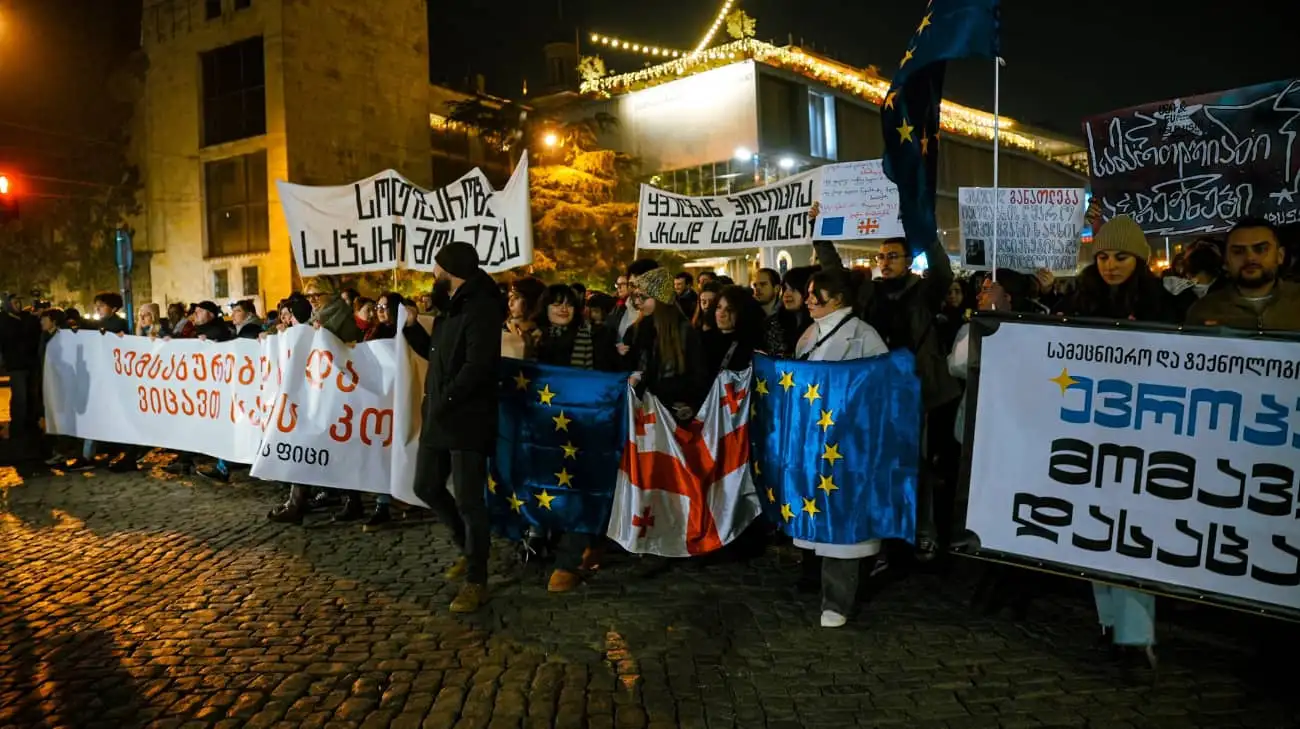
[(925, 144), (570, 450), (827, 419), (905, 132), (810, 507), (564, 477), (544, 500), (757, 471), (925, 23), (546, 395), (761, 387), (832, 454), (515, 502), (906, 57), (889, 99), (561, 422), (771, 496), (827, 484), (813, 394), (787, 380), (521, 382), (1064, 381), (492, 484), (786, 512)]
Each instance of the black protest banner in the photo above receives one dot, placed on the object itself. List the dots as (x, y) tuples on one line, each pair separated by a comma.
[(1199, 163), (775, 214)]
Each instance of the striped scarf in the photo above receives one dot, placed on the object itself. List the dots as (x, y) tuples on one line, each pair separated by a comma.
[(583, 354)]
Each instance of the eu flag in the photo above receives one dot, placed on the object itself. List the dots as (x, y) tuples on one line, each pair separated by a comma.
[(560, 438), (951, 29), (838, 447)]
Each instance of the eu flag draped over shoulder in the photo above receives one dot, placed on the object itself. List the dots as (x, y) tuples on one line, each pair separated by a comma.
[(838, 447), (560, 440), (950, 30)]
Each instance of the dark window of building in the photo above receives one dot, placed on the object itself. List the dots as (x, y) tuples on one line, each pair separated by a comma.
[(243, 4), (234, 196), (221, 284), (251, 282), (234, 92), (857, 131), (783, 115), (212, 9)]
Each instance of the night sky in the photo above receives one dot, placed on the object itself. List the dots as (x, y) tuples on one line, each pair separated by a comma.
[(1065, 60)]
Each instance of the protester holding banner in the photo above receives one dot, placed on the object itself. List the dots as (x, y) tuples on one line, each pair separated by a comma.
[(665, 353), (1119, 285), (1257, 298), (459, 429)]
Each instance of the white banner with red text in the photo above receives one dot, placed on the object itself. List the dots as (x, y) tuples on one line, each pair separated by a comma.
[(301, 406)]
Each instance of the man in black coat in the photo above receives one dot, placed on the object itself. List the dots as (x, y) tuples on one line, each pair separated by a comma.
[(459, 431)]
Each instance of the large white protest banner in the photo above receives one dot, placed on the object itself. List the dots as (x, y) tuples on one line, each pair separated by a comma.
[(1168, 458), (774, 214), (1037, 228), (858, 202), (385, 222), (301, 406)]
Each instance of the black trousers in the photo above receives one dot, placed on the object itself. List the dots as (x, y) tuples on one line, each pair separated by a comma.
[(463, 506)]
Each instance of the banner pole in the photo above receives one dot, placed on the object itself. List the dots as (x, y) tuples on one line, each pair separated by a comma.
[(997, 126)]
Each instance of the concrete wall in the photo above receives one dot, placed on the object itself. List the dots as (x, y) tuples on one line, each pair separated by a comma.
[(347, 95)]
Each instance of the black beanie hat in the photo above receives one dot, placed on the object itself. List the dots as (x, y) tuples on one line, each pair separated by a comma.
[(458, 259)]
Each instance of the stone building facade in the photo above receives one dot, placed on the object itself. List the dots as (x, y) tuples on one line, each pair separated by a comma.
[(241, 93)]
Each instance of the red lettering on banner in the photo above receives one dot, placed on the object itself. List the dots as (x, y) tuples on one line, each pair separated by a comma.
[(246, 371), (292, 408), (179, 401), (320, 365), (117, 361), (346, 422), (376, 422), (200, 367), (355, 378)]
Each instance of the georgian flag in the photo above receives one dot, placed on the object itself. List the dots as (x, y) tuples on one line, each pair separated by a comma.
[(686, 490)]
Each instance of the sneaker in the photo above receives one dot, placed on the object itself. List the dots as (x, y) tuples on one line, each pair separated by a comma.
[(926, 550), (470, 598), (881, 564), (80, 465), (832, 619), (563, 581), (285, 514), (214, 473), (56, 460), (457, 569)]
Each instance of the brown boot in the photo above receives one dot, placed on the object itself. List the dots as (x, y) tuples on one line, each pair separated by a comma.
[(470, 598), (563, 581)]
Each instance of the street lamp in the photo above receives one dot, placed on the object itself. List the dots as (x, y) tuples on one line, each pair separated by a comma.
[(550, 139), (743, 154), (4, 185), (786, 163)]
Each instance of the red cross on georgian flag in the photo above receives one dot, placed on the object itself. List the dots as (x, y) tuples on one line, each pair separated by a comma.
[(686, 490)]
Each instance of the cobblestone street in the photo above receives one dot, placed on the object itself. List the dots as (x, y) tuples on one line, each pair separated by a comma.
[(146, 600)]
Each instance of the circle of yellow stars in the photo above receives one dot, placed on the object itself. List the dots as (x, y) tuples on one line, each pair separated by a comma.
[(905, 130), (830, 451), (545, 396)]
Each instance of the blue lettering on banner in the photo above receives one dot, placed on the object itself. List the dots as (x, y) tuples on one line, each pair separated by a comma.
[(1187, 412)]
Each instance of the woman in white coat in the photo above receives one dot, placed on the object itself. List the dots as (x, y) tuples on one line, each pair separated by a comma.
[(837, 335)]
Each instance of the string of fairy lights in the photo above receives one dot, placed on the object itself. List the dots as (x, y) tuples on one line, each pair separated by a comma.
[(953, 118), (622, 44)]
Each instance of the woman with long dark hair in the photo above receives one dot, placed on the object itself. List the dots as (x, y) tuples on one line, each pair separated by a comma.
[(520, 332), (739, 331), (666, 350)]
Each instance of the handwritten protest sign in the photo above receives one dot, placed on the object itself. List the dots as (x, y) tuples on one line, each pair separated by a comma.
[(1198, 164), (385, 222), (1037, 228), (774, 214), (858, 202)]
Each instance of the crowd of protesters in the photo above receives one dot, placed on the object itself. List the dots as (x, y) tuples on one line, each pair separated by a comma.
[(673, 333)]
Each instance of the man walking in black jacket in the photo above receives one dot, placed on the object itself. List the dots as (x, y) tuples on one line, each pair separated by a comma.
[(459, 431)]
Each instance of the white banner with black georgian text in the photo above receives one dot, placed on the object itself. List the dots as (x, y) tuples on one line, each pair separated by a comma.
[(1168, 458), (385, 222), (774, 214)]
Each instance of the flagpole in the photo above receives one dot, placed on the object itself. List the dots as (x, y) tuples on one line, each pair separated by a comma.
[(997, 126)]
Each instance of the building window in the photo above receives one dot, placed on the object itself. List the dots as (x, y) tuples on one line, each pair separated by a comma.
[(234, 92), (243, 4), (221, 284), (821, 125), (212, 9), (234, 197), (251, 283)]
